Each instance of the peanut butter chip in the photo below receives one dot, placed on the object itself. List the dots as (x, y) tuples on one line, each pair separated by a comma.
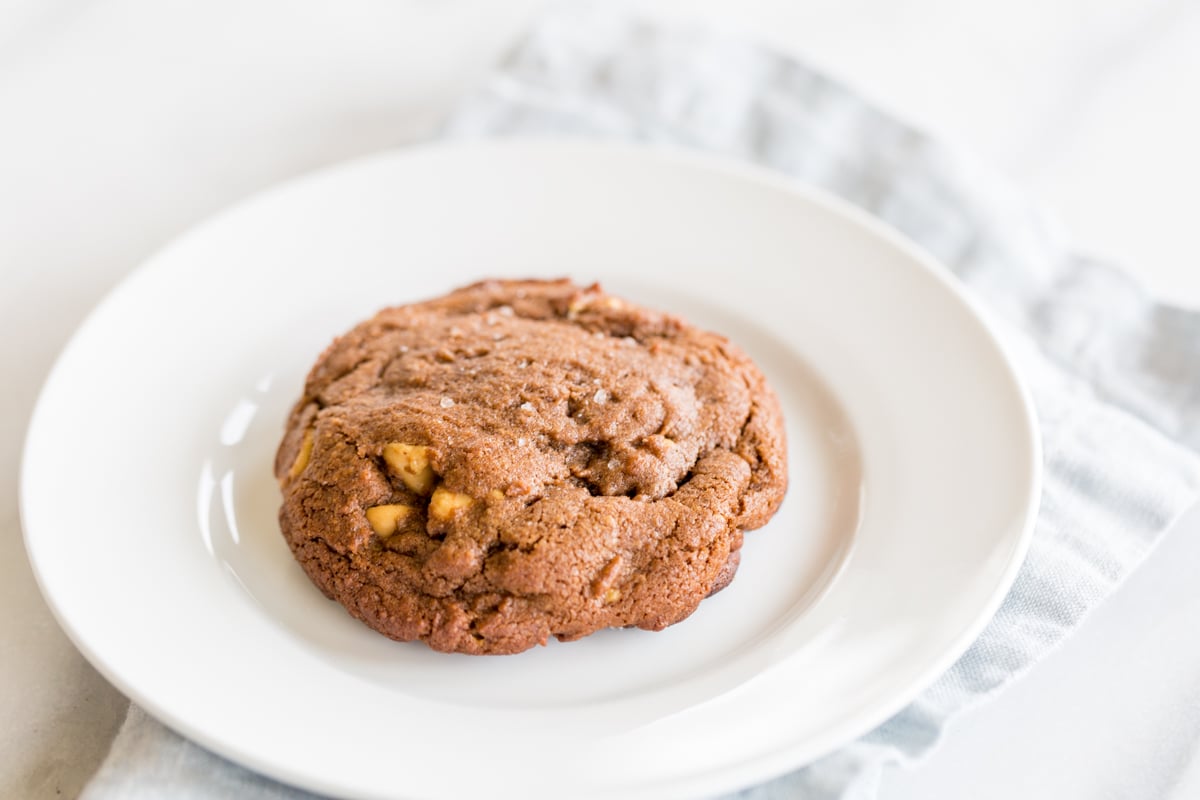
[(306, 448), (410, 463), (445, 503), (386, 519)]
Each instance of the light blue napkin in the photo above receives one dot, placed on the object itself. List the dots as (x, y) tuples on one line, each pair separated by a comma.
[(1115, 377)]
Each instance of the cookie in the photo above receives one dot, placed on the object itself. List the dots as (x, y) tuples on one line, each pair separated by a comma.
[(524, 459)]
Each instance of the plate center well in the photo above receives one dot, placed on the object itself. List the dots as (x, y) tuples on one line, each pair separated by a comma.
[(785, 566)]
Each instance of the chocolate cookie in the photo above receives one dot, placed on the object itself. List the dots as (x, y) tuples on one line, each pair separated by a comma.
[(526, 459)]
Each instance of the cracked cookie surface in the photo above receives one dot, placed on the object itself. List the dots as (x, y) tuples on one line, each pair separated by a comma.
[(525, 459)]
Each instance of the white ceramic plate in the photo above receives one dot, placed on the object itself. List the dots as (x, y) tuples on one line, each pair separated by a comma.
[(149, 504)]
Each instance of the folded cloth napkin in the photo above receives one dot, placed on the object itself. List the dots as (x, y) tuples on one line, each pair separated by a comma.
[(1115, 377)]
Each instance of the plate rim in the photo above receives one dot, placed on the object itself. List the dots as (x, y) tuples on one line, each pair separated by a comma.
[(762, 767)]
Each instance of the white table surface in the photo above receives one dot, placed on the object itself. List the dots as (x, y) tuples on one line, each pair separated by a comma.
[(123, 122)]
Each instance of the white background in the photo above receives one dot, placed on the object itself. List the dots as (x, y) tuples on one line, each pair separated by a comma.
[(123, 122)]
